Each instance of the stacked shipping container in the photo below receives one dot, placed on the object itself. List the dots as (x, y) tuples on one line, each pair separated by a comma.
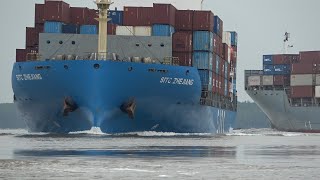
[(198, 37)]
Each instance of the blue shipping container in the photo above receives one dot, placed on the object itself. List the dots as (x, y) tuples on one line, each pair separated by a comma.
[(206, 78), (281, 69), (267, 59), (217, 25), (88, 29), (202, 60), (268, 69), (202, 41), (70, 29), (234, 38), (217, 64), (53, 27), (116, 17), (162, 30)]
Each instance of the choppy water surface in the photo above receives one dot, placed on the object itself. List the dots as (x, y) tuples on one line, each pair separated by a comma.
[(242, 154)]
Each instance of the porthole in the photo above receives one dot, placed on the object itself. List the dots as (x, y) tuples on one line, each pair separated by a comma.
[(130, 68), (48, 42), (137, 45), (96, 66), (66, 66), (60, 42), (162, 45), (149, 45), (73, 42), (187, 72)]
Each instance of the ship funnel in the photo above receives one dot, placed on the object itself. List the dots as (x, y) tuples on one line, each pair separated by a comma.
[(103, 6)]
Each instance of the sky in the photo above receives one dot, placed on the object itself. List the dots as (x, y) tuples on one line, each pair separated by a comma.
[(260, 24)]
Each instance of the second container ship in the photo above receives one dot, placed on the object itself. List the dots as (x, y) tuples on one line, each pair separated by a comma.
[(141, 69), (288, 90)]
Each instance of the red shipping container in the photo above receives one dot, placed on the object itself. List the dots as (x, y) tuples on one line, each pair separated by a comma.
[(281, 80), (32, 35), (39, 14), (112, 29), (301, 68), (214, 63), (203, 21), (164, 14), (222, 79), (79, 15), (185, 58), (182, 41), (92, 15), (302, 91), (138, 16), (225, 51), (310, 57), (57, 11), (285, 59), (184, 20)]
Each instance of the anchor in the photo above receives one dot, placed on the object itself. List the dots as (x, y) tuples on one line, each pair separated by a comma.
[(129, 107), (69, 106)]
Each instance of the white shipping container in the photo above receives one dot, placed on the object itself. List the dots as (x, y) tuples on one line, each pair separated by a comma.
[(302, 80), (142, 30), (267, 80), (229, 54), (226, 38), (317, 79), (125, 31), (317, 91), (254, 80)]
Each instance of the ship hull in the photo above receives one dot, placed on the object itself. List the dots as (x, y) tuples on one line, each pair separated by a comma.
[(162, 98), (283, 116)]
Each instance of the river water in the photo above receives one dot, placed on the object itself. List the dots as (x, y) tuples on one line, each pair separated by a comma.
[(241, 154)]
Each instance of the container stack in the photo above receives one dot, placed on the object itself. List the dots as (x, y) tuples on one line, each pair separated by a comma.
[(305, 76), (59, 17), (277, 69)]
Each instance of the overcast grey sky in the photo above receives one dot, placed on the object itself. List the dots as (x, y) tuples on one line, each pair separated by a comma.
[(259, 23)]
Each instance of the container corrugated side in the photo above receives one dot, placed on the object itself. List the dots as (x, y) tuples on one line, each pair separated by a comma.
[(70, 29), (218, 26), (57, 11), (267, 59), (206, 79), (138, 16), (164, 14), (162, 30), (226, 38), (317, 91), (301, 68), (182, 41), (203, 21), (39, 14), (184, 20), (116, 17), (202, 41), (267, 80), (53, 27), (202, 60), (302, 91), (310, 57), (281, 80), (218, 62), (185, 58), (302, 80), (125, 30), (88, 29), (142, 30), (254, 80), (234, 38)]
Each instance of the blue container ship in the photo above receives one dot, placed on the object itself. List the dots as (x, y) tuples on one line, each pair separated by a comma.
[(67, 93)]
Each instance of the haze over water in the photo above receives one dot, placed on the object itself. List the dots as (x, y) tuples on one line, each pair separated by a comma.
[(244, 154)]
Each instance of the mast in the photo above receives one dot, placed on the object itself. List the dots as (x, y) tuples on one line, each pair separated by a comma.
[(286, 43), (202, 4), (103, 6)]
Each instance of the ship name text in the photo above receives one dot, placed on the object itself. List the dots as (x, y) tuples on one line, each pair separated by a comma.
[(28, 77), (177, 81)]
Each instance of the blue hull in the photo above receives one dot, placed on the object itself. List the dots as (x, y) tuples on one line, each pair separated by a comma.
[(166, 98)]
